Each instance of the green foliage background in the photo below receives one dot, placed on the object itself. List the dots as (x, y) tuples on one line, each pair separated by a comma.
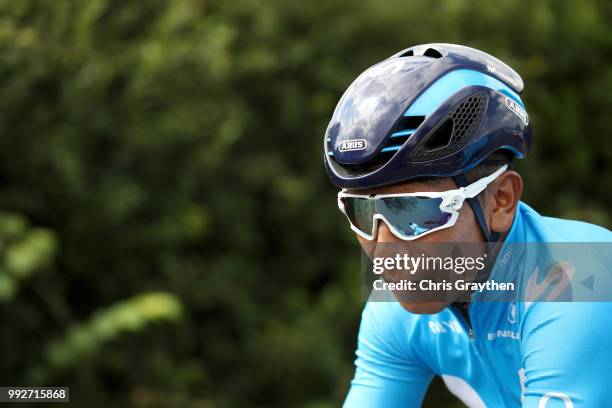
[(168, 236)]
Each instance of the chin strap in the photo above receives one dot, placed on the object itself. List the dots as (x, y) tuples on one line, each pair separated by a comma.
[(489, 236)]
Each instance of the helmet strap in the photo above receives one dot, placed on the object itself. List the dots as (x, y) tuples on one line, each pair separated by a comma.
[(489, 236)]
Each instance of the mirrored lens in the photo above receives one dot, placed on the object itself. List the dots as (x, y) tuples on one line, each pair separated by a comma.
[(412, 216), (360, 212)]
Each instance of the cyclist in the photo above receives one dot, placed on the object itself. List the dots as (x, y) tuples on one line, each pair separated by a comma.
[(446, 122)]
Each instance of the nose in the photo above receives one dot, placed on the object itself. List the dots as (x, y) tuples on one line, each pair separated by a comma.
[(384, 234)]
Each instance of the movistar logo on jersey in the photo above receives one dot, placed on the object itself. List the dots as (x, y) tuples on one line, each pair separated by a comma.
[(516, 108), (352, 144)]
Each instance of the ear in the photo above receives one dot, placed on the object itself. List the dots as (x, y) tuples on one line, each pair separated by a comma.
[(502, 200)]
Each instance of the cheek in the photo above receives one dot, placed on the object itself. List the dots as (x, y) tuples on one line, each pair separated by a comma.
[(362, 241), (368, 247), (467, 228)]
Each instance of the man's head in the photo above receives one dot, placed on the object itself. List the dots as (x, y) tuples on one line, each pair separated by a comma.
[(431, 118), (498, 202)]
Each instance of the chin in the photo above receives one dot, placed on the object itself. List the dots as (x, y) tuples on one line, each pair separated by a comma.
[(424, 307)]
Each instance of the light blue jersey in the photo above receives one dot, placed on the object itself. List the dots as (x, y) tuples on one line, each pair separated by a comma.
[(540, 355)]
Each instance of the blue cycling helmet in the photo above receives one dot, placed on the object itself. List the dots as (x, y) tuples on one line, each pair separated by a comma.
[(433, 110)]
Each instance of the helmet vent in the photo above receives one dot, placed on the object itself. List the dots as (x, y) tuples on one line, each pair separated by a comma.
[(442, 137), (454, 131), (408, 122), (432, 53), (403, 129), (429, 52)]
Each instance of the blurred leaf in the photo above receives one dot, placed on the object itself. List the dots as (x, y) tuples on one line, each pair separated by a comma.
[(8, 287), (84, 339), (35, 250)]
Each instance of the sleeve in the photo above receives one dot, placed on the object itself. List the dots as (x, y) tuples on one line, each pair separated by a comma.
[(567, 355), (386, 375)]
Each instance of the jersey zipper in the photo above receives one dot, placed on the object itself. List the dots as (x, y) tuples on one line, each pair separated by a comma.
[(463, 316)]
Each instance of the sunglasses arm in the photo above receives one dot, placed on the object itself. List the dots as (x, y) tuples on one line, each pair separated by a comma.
[(478, 187), (455, 201)]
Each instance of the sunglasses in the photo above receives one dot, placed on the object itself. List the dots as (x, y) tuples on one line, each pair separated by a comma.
[(409, 216)]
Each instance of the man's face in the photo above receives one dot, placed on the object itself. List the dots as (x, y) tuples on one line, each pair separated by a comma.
[(466, 229)]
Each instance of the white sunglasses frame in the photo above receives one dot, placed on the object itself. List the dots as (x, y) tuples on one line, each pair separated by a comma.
[(452, 201)]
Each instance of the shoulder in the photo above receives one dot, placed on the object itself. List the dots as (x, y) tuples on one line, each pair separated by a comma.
[(563, 334), (389, 319), (565, 326), (565, 351), (539, 228), (396, 330)]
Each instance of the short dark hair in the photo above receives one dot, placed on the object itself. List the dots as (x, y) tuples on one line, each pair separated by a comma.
[(490, 164), (493, 162)]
